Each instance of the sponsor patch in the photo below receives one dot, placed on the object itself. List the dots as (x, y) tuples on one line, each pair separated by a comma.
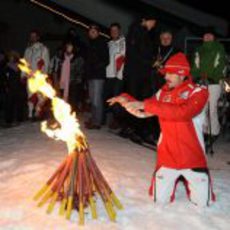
[(184, 95)]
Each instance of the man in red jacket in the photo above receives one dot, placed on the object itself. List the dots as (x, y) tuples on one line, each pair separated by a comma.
[(179, 104)]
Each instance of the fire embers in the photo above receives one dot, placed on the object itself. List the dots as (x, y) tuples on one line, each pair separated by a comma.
[(74, 185)]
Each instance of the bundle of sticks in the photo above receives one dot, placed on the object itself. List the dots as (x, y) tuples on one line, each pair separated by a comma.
[(74, 184)]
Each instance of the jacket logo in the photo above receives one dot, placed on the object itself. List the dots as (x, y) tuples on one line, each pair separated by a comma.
[(167, 98), (160, 177), (181, 71), (184, 95)]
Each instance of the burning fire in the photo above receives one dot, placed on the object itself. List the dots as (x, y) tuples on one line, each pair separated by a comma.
[(77, 179), (69, 129)]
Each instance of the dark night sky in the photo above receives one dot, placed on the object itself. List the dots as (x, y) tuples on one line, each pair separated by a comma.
[(218, 8)]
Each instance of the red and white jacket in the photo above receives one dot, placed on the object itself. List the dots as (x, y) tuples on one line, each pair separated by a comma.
[(117, 51), (38, 57), (181, 116)]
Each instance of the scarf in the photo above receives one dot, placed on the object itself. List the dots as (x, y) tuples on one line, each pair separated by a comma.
[(65, 75)]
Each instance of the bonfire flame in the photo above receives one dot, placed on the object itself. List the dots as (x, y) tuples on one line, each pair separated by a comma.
[(69, 130)]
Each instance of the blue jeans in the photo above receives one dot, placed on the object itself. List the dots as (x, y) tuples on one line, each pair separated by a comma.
[(96, 90)]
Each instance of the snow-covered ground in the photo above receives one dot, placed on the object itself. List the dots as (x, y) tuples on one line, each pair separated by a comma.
[(28, 157)]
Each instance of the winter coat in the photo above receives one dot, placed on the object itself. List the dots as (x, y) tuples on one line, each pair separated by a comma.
[(139, 52), (11, 78), (38, 57), (54, 65), (209, 62), (76, 69), (181, 116), (138, 62), (96, 59), (163, 53), (117, 50)]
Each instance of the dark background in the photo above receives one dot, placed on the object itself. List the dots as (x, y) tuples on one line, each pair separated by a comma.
[(19, 17)]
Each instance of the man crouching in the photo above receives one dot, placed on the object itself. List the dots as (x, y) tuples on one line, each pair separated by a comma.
[(179, 104)]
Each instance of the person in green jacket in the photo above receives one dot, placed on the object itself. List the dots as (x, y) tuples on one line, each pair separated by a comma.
[(208, 67)]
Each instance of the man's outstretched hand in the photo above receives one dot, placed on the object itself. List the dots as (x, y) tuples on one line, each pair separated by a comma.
[(136, 108), (119, 99)]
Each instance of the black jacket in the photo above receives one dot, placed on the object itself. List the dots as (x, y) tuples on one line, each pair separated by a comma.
[(139, 52), (138, 65), (163, 53), (161, 56), (11, 79), (96, 60)]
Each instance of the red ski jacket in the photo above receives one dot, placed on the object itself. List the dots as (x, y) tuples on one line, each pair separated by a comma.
[(181, 116)]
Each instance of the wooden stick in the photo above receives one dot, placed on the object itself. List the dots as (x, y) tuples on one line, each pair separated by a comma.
[(49, 182), (57, 186), (71, 191), (60, 168), (81, 206), (89, 190), (61, 179), (102, 190), (111, 193), (60, 186)]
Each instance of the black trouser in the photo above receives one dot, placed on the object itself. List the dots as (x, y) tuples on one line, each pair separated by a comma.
[(14, 105), (113, 87), (75, 94), (140, 89)]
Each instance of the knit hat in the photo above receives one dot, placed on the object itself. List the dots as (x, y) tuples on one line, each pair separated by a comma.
[(148, 16), (177, 64), (166, 30), (209, 30)]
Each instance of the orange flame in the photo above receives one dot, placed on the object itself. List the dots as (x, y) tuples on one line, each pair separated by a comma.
[(69, 130)]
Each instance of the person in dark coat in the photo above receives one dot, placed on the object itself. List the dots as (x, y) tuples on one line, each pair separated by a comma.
[(96, 60), (137, 72), (139, 57), (14, 95)]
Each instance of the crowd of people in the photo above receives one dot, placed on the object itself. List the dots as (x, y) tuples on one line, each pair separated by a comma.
[(86, 74)]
